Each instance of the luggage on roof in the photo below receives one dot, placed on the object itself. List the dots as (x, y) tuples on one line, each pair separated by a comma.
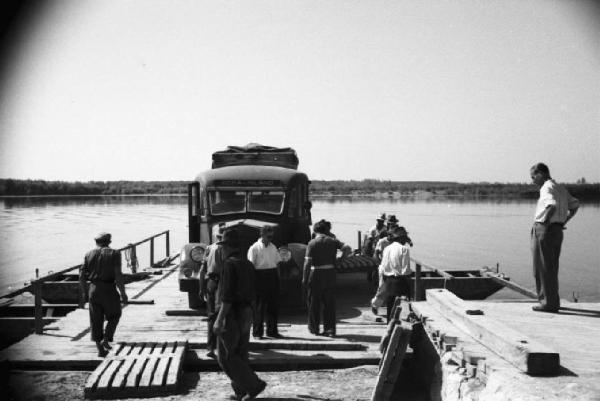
[(255, 154)]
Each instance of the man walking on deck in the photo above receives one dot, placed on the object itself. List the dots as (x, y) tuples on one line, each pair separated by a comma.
[(395, 270), (232, 325), (319, 279), (102, 268), (555, 208)]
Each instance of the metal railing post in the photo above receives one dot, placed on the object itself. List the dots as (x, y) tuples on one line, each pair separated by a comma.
[(359, 243), (418, 296), (37, 291), (151, 251), (167, 243)]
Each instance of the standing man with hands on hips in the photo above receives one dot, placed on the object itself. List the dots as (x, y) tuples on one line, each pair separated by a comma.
[(555, 208)]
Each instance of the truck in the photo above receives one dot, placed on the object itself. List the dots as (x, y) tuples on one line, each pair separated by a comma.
[(249, 187)]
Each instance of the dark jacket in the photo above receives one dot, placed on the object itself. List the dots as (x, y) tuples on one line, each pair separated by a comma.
[(237, 282)]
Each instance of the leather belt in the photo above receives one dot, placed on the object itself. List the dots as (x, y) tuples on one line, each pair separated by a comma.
[(322, 267)]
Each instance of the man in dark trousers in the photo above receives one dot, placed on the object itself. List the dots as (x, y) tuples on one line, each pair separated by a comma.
[(232, 325), (210, 274), (555, 208), (319, 278), (102, 268)]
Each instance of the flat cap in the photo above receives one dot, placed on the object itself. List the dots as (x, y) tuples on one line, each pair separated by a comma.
[(103, 237)]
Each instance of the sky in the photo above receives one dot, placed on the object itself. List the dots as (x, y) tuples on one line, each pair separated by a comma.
[(466, 91)]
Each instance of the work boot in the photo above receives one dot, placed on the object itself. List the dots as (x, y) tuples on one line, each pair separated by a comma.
[(252, 394), (102, 352)]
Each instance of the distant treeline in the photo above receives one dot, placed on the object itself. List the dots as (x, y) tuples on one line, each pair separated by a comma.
[(42, 187), (368, 187)]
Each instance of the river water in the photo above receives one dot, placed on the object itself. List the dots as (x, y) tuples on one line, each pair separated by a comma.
[(54, 233)]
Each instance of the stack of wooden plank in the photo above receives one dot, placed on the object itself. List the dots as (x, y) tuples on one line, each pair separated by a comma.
[(521, 351), (393, 347), (137, 370)]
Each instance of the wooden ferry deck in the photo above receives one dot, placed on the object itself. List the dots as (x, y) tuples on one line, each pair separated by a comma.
[(477, 359), (573, 333), (66, 344)]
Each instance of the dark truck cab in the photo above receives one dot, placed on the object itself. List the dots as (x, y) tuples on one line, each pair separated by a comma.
[(249, 187)]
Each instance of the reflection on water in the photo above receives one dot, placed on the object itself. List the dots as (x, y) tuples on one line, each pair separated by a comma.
[(52, 233), (432, 199)]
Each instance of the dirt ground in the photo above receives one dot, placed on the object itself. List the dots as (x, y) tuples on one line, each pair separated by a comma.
[(317, 385)]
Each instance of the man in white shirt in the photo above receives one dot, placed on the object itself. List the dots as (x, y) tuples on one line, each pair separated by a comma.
[(265, 257), (394, 269), (554, 209)]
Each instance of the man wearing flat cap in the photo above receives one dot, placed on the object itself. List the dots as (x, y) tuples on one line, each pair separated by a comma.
[(102, 269)]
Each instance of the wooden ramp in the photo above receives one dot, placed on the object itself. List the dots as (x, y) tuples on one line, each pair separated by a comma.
[(137, 370)]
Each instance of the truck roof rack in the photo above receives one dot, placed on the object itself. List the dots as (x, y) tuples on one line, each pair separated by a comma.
[(254, 154)]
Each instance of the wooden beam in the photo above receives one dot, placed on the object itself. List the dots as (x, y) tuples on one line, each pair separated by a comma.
[(509, 284), (441, 272), (141, 302), (392, 362), (526, 354)]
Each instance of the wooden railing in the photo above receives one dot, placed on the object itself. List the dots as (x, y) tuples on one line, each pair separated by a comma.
[(36, 285), (419, 293)]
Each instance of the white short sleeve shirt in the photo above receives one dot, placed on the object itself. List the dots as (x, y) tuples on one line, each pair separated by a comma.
[(263, 257), (552, 193), (396, 260)]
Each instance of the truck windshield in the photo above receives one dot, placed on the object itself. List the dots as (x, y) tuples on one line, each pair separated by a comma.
[(227, 202), (230, 202), (266, 201)]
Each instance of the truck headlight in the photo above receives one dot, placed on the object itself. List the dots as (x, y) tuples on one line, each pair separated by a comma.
[(285, 254), (197, 253)]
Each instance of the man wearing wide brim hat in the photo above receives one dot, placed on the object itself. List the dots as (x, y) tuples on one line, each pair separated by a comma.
[(392, 221), (102, 269), (375, 233), (232, 324)]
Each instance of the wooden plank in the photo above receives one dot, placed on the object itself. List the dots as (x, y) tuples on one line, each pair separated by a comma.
[(104, 384), (122, 351), (392, 362), (140, 302), (149, 369), (441, 272), (136, 371), (175, 365), (523, 352), (123, 373), (160, 375), (92, 381), (148, 372), (509, 284)]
